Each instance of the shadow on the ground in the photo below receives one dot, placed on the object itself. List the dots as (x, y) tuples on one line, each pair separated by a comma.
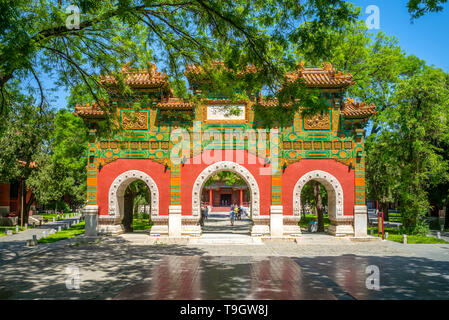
[(116, 268), (400, 278), (105, 269)]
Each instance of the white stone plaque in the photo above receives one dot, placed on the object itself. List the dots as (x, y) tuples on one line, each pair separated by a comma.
[(226, 112)]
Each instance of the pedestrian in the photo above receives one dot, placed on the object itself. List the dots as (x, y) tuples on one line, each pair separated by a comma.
[(206, 213), (232, 216), (202, 217)]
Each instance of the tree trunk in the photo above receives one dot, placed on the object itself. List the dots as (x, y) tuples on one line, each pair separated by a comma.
[(446, 216), (128, 211), (25, 205), (318, 205), (384, 209), (303, 211)]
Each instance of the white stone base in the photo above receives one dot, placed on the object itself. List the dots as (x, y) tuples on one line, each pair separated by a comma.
[(159, 231), (276, 221), (341, 230), (291, 227), (111, 230), (261, 226), (174, 221), (360, 221), (190, 226)]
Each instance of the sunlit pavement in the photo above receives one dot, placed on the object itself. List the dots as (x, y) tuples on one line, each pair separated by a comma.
[(318, 267)]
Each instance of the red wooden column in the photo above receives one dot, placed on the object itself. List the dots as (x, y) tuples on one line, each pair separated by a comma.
[(241, 197), (210, 197)]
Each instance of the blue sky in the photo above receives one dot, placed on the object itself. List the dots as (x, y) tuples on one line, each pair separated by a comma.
[(427, 37)]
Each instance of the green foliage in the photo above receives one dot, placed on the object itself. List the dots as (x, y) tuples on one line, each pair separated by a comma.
[(308, 197), (396, 236), (418, 8), (304, 222), (227, 177), (63, 168), (35, 42), (406, 154), (73, 231)]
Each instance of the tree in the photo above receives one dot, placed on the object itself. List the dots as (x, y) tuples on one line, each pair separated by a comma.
[(69, 146), (410, 142), (134, 194), (63, 167), (418, 8), (23, 149), (227, 177), (316, 196)]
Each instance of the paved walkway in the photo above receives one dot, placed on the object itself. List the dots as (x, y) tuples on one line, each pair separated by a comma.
[(220, 223), (14, 246), (318, 267)]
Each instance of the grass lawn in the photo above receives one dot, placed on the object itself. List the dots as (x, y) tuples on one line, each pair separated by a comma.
[(395, 235), (73, 231), (304, 223), (50, 216), (13, 228), (141, 224)]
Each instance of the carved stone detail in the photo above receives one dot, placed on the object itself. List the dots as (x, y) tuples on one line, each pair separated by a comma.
[(118, 187), (226, 166), (318, 122), (138, 121), (333, 188)]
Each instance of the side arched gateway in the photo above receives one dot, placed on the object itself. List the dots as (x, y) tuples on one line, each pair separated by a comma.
[(226, 166), (333, 188), (117, 192), (340, 224)]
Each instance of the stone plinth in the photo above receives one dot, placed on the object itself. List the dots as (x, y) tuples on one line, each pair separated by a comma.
[(174, 221), (276, 221), (360, 221), (91, 212)]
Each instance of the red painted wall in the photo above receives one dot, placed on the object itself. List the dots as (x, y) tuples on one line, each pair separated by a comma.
[(191, 171), (296, 170), (155, 170)]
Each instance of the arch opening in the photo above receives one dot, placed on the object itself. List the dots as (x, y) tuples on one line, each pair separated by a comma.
[(119, 187), (333, 189), (244, 195)]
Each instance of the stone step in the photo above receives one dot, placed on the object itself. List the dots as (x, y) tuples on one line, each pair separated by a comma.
[(230, 239)]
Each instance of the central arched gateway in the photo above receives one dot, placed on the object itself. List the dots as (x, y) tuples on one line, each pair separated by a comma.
[(226, 166)]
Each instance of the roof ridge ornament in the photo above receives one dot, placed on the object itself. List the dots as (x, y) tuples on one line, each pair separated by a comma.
[(327, 66)]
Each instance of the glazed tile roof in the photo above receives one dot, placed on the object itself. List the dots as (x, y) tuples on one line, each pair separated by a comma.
[(353, 109), (89, 110), (325, 77), (142, 78), (175, 103)]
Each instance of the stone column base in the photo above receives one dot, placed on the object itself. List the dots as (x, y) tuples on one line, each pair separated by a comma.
[(190, 226), (108, 225), (261, 226), (160, 226), (342, 226), (91, 218), (360, 221), (276, 221), (174, 221), (291, 227)]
